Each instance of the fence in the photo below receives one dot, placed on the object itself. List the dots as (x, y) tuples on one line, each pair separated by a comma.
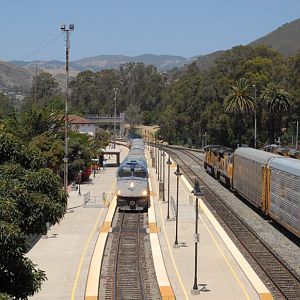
[(94, 201), (173, 207)]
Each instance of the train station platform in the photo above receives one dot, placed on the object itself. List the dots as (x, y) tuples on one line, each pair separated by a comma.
[(65, 252), (222, 272)]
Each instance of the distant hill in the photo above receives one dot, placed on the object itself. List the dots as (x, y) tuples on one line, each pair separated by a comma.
[(285, 39), (101, 62), (14, 78)]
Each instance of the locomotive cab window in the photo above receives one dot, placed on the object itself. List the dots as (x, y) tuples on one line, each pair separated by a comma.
[(124, 173), (140, 173)]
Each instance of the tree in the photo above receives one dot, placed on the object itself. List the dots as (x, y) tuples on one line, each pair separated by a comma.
[(239, 101), (6, 105), (278, 101), (44, 89), (31, 197)]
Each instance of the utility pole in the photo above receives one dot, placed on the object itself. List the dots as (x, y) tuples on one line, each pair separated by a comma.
[(65, 159), (35, 84), (115, 115), (255, 116), (297, 133)]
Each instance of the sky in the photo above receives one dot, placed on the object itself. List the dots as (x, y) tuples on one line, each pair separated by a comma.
[(30, 29)]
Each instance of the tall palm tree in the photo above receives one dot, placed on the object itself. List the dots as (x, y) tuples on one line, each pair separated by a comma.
[(279, 101), (239, 101)]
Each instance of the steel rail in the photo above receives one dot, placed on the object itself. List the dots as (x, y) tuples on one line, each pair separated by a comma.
[(285, 280), (128, 271)]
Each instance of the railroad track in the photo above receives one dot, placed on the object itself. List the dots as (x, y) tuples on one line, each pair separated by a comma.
[(283, 279), (128, 268)]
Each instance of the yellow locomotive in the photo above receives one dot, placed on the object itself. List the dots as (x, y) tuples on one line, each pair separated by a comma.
[(269, 181)]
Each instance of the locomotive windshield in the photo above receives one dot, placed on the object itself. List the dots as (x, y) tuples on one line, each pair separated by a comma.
[(132, 172), (140, 173), (125, 173)]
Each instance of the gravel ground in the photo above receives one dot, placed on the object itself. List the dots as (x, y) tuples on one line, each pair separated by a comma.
[(286, 248)]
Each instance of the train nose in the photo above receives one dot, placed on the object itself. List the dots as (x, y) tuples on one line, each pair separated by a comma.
[(131, 186), (132, 204)]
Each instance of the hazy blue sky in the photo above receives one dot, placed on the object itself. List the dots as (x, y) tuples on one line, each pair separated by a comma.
[(133, 27)]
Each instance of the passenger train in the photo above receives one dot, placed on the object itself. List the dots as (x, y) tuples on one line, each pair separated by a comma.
[(269, 181), (132, 179)]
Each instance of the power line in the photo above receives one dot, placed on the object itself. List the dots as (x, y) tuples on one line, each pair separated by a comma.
[(44, 46)]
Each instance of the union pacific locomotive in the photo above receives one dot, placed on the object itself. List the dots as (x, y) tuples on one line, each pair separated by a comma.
[(269, 181)]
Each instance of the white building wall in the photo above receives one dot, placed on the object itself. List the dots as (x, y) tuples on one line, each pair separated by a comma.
[(84, 128)]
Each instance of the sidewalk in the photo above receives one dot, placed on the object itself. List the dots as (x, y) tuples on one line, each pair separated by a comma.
[(65, 253)]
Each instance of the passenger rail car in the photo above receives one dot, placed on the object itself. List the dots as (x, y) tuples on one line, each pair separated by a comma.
[(132, 179), (269, 181)]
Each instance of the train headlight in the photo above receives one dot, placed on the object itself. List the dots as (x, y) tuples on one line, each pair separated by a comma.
[(118, 192), (131, 186), (144, 193)]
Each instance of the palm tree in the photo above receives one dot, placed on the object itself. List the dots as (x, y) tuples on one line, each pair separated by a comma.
[(279, 101), (239, 101)]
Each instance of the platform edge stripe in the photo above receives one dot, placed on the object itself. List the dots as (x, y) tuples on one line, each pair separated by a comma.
[(166, 292), (266, 296), (253, 278), (151, 211), (159, 264), (92, 284), (153, 228), (105, 227)]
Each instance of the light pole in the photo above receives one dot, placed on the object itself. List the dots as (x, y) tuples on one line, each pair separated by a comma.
[(163, 169), (79, 181), (115, 115), (155, 157), (169, 164), (160, 164), (254, 116), (297, 134), (158, 154), (65, 159), (178, 174), (197, 193)]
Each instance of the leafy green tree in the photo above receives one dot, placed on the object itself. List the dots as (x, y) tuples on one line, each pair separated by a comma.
[(34, 122), (278, 101), (31, 197), (239, 101), (6, 105)]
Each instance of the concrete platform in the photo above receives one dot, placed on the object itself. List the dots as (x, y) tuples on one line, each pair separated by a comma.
[(222, 271), (65, 253), (72, 253)]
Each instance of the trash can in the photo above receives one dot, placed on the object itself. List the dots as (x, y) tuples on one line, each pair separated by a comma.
[(74, 186)]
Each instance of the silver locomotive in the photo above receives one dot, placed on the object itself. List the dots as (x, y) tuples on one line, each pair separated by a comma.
[(132, 179)]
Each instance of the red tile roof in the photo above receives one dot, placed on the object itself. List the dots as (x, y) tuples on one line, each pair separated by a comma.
[(73, 119)]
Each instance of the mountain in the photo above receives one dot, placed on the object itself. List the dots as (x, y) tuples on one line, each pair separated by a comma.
[(14, 78), (285, 39), (101, 62)]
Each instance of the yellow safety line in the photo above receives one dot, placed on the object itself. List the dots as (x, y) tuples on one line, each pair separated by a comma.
[(226, 260), (83, 254), (85, 249), (173, 260)]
